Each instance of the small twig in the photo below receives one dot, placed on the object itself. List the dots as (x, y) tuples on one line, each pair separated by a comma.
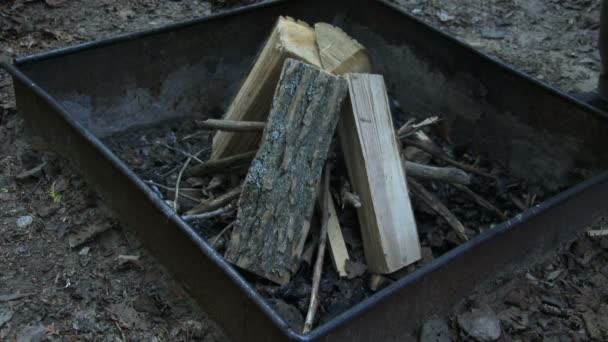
[(33, 190), (406, 126), (445, 174), (216, 202), (221, 233), (122, 334), (182, 152), (179, 177), (434, 203), (481, 201), (597, 232), (439, 154), (518, 203), (316, 278), (164, 187), (231, 125), (222, 164), (408, 130), (208, 215)]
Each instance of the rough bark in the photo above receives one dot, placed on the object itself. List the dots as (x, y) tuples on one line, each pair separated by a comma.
[(279, 193)]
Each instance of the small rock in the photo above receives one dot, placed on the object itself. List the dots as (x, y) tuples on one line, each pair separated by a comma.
[(354, 269), (84, 251), (5, 316), (517, 298), (125, 261), (24, 221), (444, 16), (32, 334), (481, 324), (435, 330), (492, 34)]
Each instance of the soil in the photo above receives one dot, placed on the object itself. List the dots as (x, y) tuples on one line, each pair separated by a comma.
[(50, 290)]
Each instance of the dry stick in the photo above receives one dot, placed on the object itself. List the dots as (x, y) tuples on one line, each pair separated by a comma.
[(445, 174), (222, 164), (182, 152), (438, 154), (409, 129), (434, 203), (316, 278), (481, 201), (207, 215), (221, 233), (164, 187), (216, 202), (232, 125), (179, 177)]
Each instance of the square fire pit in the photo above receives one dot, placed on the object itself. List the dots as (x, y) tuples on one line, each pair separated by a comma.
[(77, 96)]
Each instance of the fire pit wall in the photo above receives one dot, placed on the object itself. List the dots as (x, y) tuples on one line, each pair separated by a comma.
[(193, 70)]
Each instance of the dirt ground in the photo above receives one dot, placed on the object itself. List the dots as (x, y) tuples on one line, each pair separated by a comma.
[(87, 292)]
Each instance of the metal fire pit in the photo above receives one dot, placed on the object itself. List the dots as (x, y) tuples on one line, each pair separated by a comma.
[(74, 96)]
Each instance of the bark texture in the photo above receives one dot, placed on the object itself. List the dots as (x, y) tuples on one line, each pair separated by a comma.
[(279, 192)]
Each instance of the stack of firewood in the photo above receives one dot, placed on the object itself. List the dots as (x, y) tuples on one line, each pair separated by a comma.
[(307, 85)]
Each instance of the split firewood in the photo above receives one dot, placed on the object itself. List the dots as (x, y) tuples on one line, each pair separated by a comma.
[(231, 125), (279, 193), (375, 169), (215, 203), (289, 39), (482, 202), (337, 246), (318, 270), (221, 165), (339, 53), (430, 200), (444, 174)]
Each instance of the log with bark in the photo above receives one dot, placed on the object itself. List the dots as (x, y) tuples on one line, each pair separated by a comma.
[(279, 192)]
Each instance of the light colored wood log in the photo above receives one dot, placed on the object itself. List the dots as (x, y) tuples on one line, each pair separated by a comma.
[(279, 193), (339, 53), (337, 246), (288, 39), (375, 168), (231, 125)]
